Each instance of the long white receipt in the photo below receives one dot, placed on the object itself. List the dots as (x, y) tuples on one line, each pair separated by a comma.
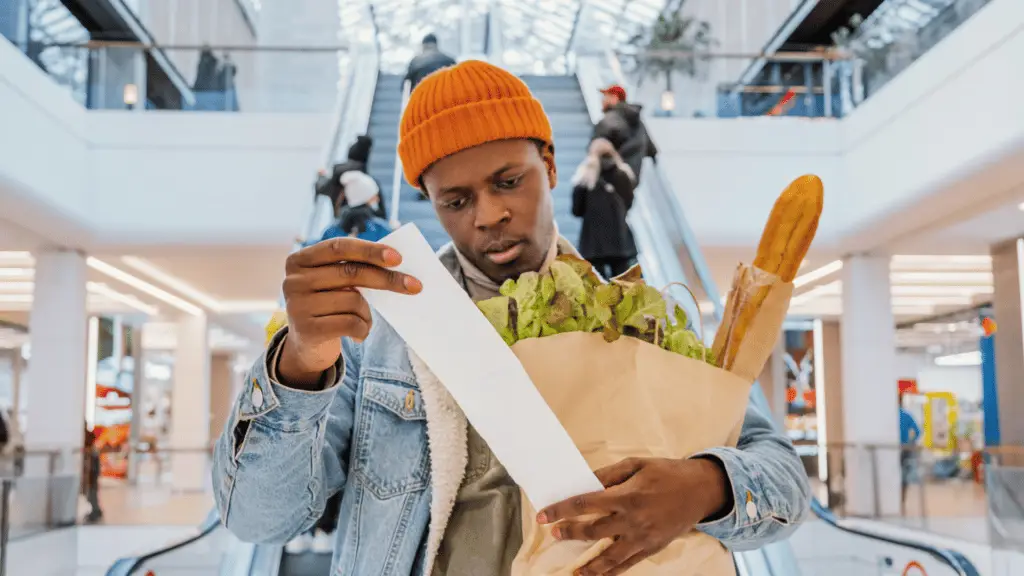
[(445, 329)]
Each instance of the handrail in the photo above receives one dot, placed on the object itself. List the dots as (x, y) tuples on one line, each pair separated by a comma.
[(128, 566), (396, 179), (677, 219)]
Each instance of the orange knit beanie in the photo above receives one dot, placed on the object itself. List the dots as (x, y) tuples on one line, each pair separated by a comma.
[(466, 105)]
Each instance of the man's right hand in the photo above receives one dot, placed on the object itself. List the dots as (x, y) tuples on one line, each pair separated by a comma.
[(324, 306)]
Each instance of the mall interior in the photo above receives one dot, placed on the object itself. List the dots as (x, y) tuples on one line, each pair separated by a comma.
[(159, 161)]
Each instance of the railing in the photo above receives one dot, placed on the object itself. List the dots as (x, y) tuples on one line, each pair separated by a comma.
[(396, 179), (704, 84), (897, 33), (232, 78)]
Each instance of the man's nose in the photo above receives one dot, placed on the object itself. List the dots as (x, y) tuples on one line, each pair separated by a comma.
[(491, 212)]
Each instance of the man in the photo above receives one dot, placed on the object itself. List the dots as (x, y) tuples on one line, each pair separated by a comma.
[(429, 60), (338, 403), (910, 432), (622, 126)]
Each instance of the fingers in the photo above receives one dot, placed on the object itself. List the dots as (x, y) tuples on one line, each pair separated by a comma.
[(618, 558), (321, 304), (603, 527), (593, 503), (343, 250), (618, 473), (351, 274)]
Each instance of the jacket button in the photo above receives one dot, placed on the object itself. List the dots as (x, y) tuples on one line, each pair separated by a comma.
[(257, 397), (751, 508)]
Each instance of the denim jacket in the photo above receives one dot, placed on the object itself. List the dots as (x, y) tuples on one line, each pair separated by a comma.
[(388, 436)]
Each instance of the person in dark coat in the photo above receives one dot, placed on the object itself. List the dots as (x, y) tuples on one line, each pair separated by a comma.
[(622, 126), (358, 160), (430, 60), (602, 194), (91, 476)]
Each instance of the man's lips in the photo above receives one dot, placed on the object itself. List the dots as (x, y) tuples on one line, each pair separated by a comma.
[(504, 255)]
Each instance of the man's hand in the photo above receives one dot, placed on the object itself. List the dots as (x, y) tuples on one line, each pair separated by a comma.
[(324, 306), (648, 503)]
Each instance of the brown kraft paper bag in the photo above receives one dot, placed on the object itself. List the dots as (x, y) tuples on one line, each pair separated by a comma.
[(633, 399)]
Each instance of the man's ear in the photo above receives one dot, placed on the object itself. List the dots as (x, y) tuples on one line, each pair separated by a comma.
[(548, 154)]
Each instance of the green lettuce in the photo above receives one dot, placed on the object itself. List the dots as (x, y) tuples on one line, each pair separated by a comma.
[(571, 297)]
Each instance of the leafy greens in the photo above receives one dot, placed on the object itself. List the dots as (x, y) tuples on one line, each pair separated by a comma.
[(571, 297)]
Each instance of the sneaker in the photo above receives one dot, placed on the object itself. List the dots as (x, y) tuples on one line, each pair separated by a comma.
[(323, 543), (300, 544)]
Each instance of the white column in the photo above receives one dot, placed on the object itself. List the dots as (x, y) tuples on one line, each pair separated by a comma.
[(57, 368), (56, 384), (190, 404), (870, 411)]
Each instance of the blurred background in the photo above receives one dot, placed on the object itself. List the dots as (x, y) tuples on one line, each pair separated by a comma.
[(159, 159)]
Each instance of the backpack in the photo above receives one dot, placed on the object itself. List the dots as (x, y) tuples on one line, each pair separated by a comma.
[(375, 229)]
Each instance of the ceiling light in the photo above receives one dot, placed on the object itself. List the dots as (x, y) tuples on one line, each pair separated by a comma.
[(912, 310), (130, 301), (939, 290), (211, 303), (159, 275), (818, 273), (961, 359), (957, 278), (979, 259), (16, 287), (1020, 206), (16, 298), (932, 301), (833, 288), (143, 286), (16, 273), (247, 306)]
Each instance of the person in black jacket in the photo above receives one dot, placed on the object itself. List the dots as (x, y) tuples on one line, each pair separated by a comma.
[(622, 126), (430, 60), (602, 194), (358, 160)]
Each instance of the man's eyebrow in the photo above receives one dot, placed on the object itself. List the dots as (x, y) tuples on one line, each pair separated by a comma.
[(505, 168)]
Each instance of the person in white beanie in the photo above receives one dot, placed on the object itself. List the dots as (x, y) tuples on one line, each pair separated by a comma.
[(360, 217)]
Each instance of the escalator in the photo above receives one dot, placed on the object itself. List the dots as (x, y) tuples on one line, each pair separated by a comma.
[(669, 253)]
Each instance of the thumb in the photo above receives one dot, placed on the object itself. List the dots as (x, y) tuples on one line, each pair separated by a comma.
[(618, 473)]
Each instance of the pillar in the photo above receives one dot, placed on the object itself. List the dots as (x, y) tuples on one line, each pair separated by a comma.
[(870, 408), (57, 376), (190, 405), (828, 386), (222, 391), (1007, 267)]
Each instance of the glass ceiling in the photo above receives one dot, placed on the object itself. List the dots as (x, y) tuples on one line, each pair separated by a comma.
[(895, 17), (531, 36)]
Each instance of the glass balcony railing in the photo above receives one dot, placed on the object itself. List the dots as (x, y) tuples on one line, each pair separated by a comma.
[(899, 32), (133, 76), (702, 84)]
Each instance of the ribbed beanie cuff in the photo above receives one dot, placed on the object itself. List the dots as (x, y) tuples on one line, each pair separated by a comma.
[(464, 106)]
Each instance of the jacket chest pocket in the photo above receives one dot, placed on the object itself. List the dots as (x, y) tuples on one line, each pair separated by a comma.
[(391, 446)]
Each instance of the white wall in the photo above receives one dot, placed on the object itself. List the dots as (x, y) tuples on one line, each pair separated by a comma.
[(93, 179), (203, 178), (728, 173), (963, 381), (906, 159)]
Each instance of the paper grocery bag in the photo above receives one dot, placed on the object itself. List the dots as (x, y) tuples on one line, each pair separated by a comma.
[(752, 284), (633, 399)]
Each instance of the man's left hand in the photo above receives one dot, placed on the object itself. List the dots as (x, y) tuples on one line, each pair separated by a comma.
[(648, 503)]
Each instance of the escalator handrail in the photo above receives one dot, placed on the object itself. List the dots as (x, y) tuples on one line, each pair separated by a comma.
[(127, 566), (396, 179), (954, 560)]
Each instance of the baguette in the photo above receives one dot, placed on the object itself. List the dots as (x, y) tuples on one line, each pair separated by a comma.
[(784, 244)]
